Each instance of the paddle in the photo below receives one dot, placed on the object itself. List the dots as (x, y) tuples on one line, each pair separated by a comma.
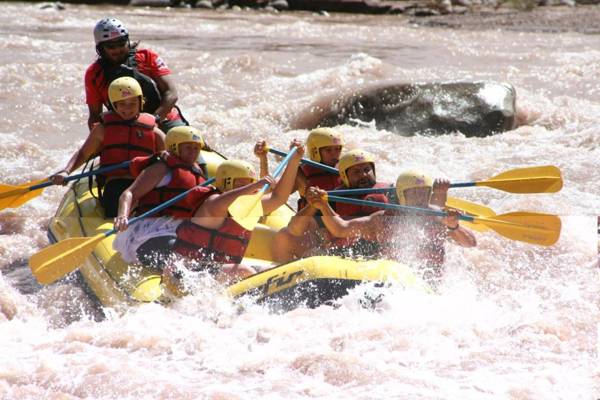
[(473, 209), (535, 228), (14, 196), (247, 209), (308, 162), (57, 260), (545, 179)]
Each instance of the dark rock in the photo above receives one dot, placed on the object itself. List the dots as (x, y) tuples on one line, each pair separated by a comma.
[(151, 3), (422, 12), (352, 6), (249, 3), (205, 4), (473, 108)]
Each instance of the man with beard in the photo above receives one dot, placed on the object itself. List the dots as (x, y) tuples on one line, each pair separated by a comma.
[(357, 171), (118, 57)]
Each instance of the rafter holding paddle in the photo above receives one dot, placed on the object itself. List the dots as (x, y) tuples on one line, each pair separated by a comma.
[(59, 259), (12, 196), (546, 179), (529, 227), (543, 179), (247, 209)]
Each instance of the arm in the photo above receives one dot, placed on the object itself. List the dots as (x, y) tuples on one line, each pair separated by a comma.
[(284, 187), (439, 192), (166, 87), (216, 206), (366, 227), (95, 111), (144, 183), (301, 183), (160, 139), (260, 151), (462, 236), (91, 146)]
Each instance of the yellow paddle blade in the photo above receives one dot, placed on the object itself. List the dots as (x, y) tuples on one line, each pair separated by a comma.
[(473, 210), (535, 228), (546, 179), (14, 196), (54, 262), (247, 210)]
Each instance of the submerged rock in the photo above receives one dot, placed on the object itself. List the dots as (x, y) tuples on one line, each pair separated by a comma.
[(52, 6), (473, 108)]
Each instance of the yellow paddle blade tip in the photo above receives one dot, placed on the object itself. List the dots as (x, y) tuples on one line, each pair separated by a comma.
[(528, 227), (55, 261)]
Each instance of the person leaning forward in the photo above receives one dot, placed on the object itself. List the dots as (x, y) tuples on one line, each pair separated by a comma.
[(159, 179), (215, 240), (124, 134)]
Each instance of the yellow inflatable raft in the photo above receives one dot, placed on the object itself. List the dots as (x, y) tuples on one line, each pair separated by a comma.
[(311, 281)]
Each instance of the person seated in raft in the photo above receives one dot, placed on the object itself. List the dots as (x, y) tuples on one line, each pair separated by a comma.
[(399, 234), (324, 145), (158, 179), (306, 235), (124, 133), (212, 238)]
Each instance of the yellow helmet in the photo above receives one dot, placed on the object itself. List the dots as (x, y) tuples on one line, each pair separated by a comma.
[(411, 179), (182, 134), (352, 158), (322, 137), (123, 88), (228, 171)]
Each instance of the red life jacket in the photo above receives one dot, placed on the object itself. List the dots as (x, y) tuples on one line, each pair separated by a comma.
[(183, 177), (348, 211), (126, 139), (226, 244), (317, 177)]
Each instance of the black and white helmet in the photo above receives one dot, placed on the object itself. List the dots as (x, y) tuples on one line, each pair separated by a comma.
[(109, 29)]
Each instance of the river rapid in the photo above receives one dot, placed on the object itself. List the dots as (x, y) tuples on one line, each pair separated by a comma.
[(511, 321)]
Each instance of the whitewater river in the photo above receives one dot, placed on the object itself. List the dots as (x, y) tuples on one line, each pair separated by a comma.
[(512, 320)]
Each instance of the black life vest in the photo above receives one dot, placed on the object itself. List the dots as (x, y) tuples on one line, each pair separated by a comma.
[(152, 96)]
